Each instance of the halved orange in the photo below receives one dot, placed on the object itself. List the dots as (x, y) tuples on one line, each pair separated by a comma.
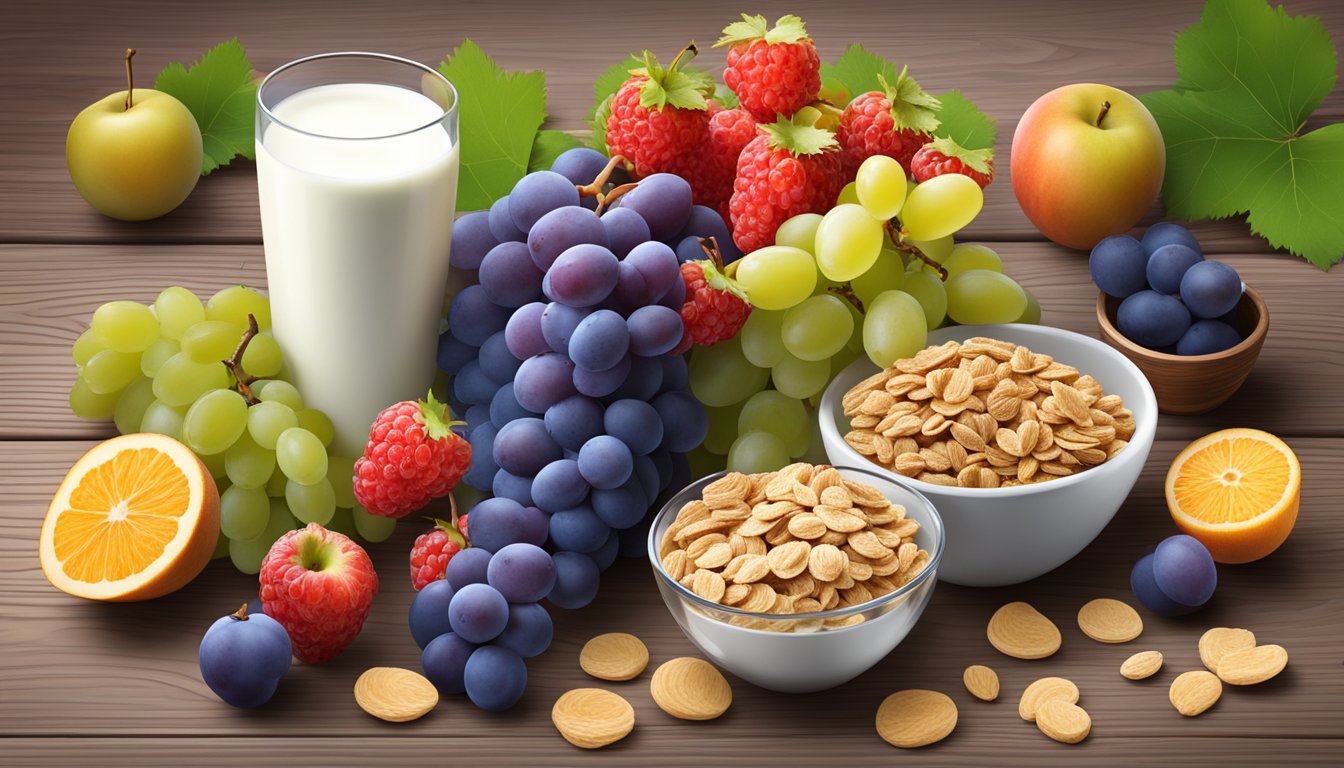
[(1237, 492), (137, 517)]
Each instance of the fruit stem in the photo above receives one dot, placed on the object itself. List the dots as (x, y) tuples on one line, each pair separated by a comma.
[(452, 516), (612, 196), (910, 249), (691, 49), (595, 188), (240, 614), (235, 363), (846, 292), (1105, 107), (710, 245), (130, 84)]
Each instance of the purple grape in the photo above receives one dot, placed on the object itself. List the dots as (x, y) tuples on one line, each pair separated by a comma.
[(473, 317), (602, 383), (559, 485), (523, 333), (472, 239), (606, 554), (429, 610), (478, 612), (635, 423), (481, 474), (600, 341), (643, 381), (578, 530), (498, 522), (453, 353), (1168, 265), (1206, 337), (658, 264), (537, 194), (576, 580), (444, 660), (501, 223), (1145, 589), (580, 165), (664, 200), (1211, 289), (510, 486), (662, 462), (706, 222), (582, 276), (630, 292), (1119, 266), (558, 323), (572, 421), (621, 507), (242, 660), (654, 330), (1169, 233), (560, 230), (676, 376), (685, 422), (543, 381), (625, 230), (472, 386), (509, 277), (1183, 569), (497, 362), (476, 415), (522, 573), (605, 462), (504, 407), (646, 472), (1152, 319), (635, 539), (689, 249), (529, 631), (466, 567), (494, 678), (675, 297)]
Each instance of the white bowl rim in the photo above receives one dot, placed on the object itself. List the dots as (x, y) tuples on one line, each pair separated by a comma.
[(940, 541), (1145, 431)]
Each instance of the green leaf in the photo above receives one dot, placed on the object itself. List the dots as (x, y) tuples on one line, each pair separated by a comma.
[(788, 29), (856, 72), (676, 86), (611, 80), (598, 123), (960, 120), (549, 145), (1249, 76), (975, 159), (219, 92), (797, 137), (726, 97), (499, 115), (911, 107)]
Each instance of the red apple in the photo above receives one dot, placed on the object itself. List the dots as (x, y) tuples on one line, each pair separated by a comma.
[(1087, 162)]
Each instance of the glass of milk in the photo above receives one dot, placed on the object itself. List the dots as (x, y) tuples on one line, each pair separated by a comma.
[(357, 163)]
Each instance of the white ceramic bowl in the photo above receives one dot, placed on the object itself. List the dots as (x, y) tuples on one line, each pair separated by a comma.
[(998, 536), (806, 658)]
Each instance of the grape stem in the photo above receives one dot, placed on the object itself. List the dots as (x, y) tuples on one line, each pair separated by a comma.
[(846, 292), (235, 363), (613, 196), (905, 246), (130, 87), (595, 188), (240, 614), (710, 245)]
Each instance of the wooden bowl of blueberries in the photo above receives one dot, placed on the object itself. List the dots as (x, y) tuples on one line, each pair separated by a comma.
[(1189, 323)]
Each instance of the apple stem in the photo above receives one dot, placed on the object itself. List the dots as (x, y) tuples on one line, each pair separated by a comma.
[(235, 363), (240, 614), (130, 83), (1105, 107)]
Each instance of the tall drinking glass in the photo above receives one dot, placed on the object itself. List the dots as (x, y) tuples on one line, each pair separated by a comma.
[(357, 163)]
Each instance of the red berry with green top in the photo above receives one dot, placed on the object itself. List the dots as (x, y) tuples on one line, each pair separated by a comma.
[(432, 551), (715, 308), (412, 456), (895, 122), (773, 71), (791, 168), (942, 156)]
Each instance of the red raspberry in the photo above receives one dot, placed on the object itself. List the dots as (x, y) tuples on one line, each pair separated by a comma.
[(792, 169), (412, 456), (715, 307), (432, 551), (772, 71), (319, 585), (729, 131), (895, 122), (942, 156)]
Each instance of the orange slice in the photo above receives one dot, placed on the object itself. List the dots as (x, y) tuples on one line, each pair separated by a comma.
[(137, 517), (1237, 492)]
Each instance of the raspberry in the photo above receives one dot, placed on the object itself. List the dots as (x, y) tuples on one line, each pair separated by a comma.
[(412, 456), (895, 122), (715, 307), (792, 169), (319, 585), (729, 131), (942, 156), (772, 71), (432, 551)]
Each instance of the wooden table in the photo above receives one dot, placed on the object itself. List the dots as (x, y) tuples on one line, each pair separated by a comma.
[(84, 683)]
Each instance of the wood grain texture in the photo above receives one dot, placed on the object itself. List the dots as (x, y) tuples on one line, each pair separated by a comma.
[(43, 309), (70, 56)]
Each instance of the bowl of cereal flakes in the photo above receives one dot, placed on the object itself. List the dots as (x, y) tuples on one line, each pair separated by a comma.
[(1026, 438), (797, 580)]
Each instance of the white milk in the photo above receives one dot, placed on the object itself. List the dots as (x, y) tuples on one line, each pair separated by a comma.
[(357, 236)]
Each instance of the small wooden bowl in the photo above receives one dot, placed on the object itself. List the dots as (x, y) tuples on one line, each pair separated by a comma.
[(1187, 384)]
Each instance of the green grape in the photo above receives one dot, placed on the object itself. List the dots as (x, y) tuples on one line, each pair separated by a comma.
[(90, 405), (971, 256), (125, 326), (777, 276), (799, 231), (110, 371), (848, 195), (800, 379), (301, 456), (282, 392), (235, 303), (894, 328), (221, 547), (372, 528), (163, 419), (757, 452), (243, 512), (342, 522), (855, 342), (248, 464), (722, 428), (266, 420), (931, 294), (181, 380), (152, 359), (341, 476), (982, 297), (817, 328), (131, 405), (211, 341), (214, 422), (214, 462), (262, 356), (247, 554), (886, 274), (275, 487), (317, 422), (939, 250), (704, 463), (85, 347), (880, 184), (721, 376), (940, 206), (761, 342), (780, 415), (314, 503), (848, 241), (1032, 314), (178, 309)]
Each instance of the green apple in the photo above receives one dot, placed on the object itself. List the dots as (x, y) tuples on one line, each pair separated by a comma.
[(136, 154), (1087, 162)]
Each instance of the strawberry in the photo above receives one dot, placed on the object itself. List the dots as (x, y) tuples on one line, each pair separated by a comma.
[(943, 155), (319, 585), (433, 550), (715, 307), (772, 71), (793, 168), (412, 456), (895, 122)]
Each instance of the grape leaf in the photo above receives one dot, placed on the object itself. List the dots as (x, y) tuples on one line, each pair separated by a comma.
[(547, 146), (960, 120), (219, 92), (1249, 76), (499, 115), (855, 72)]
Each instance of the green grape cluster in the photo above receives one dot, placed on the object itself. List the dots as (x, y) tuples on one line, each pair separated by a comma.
[(166, 368), (863, 278)]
